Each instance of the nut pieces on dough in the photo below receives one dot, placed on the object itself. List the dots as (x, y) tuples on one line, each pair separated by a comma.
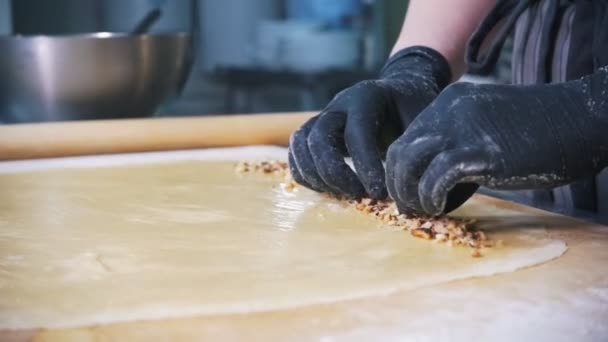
[(448, 230)]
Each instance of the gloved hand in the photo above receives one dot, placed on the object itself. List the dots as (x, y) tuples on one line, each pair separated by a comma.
[(362, 121), (502, 137)]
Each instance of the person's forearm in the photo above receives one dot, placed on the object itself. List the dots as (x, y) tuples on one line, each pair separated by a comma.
[(444, 26)]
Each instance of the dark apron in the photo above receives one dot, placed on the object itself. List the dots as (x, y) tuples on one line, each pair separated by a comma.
[(553, 41)]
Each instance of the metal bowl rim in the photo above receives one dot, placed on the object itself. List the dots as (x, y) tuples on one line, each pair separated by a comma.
[(95, 35)]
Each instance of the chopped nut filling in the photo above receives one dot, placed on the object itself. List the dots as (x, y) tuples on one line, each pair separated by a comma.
[(448, 230)]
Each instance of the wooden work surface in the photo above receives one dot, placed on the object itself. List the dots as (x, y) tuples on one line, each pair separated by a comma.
[(565, 299)]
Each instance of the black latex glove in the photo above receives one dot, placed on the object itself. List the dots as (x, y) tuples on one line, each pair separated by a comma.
[(502, 137), (362, 121)]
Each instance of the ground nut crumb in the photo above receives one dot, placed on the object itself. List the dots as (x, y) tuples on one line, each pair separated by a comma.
[(272, 167), (422, 233)]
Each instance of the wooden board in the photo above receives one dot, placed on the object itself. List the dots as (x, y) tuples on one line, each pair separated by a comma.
[(566, 299)]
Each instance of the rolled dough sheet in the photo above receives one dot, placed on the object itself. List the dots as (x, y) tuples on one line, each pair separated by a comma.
[(86, 246)]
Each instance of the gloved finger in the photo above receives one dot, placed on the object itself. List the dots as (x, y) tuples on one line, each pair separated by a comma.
[(295, 173), (361, 137), (447, 170), (392, 154), (302, 160), (412, 161), (326, 143), (459, 195)]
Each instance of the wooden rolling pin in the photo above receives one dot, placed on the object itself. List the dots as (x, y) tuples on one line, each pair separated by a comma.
[(60, 139)]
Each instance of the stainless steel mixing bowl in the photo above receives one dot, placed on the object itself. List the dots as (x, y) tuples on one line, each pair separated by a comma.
[(90, 76)]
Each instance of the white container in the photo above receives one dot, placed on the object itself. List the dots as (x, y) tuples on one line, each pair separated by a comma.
[(272, 36), (228, 30), (5, 17), (322, 51)]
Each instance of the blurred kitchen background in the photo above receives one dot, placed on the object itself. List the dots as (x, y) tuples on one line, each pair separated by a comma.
[(252, 55)]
